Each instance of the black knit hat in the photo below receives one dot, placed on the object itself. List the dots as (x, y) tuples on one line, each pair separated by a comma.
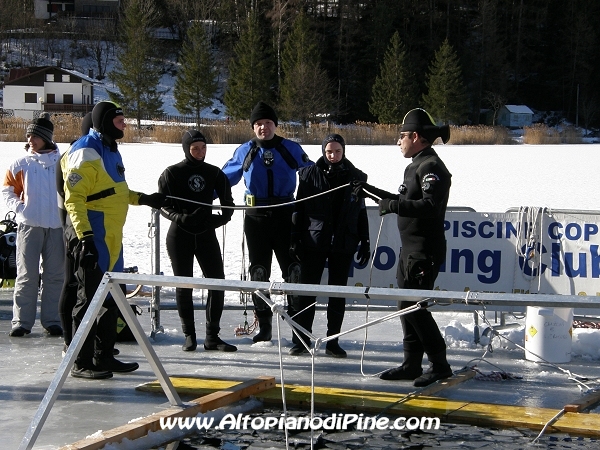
[(86, 124), (102, 117), (420, 121), (263, 111), (42, 128), (188, 138)]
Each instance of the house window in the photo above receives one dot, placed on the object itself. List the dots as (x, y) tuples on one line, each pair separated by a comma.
[(49, 77), (31, 97), (68, 99), (51, 98), (66, 78)]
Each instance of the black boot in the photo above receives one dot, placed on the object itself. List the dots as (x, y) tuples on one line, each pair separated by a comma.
[(265, 324), (214, 342), (106, 336), (409, 370), (190, 343), (299, 348), (439, 369), (332, 348)]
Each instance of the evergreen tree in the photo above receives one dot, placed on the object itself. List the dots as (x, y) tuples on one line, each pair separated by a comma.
[(196, 81), (251, 72), (394, 91), (305, 88), (139, 70), (447, 98)]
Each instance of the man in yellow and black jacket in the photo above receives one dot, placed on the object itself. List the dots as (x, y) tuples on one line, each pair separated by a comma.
[(97, 198)]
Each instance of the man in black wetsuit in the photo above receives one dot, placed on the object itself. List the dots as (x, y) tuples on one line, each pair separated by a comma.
[(421, 208), (192, 234)]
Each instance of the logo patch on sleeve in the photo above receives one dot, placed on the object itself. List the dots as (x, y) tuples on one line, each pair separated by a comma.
[(74, 178), (430, 178)]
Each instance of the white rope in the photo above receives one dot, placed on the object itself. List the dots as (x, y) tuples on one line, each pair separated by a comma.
[(278, 205), (362, 352), (287, 445)]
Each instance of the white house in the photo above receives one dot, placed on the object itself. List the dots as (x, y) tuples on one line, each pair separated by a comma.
[(515, 116), (28, 91)]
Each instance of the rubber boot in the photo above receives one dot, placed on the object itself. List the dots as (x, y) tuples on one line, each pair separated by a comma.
[(409, 370), (299, 348), (189, 331), (439, 369), (265, 325), (106, 336), (332, 348), (213, 342)]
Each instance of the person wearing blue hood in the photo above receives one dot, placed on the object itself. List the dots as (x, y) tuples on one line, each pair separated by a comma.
[(192, 234), (96, 199), (328, 228)]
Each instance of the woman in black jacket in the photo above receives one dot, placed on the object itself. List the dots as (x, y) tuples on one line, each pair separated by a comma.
[(328, 228), (192, 234)]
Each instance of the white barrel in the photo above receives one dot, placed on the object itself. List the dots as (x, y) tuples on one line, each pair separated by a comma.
[(548, 334)]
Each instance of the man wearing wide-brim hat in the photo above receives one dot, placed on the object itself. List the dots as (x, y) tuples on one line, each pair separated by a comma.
[(421, 209)]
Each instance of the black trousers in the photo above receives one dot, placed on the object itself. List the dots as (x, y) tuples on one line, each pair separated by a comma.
[(268, 231), (312, 266), (103, 334), (183, 248), (68, 296), (421, 332)]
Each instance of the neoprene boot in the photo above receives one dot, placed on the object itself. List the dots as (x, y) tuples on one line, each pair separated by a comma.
[(438, 370), (332, 348), (106, 336), (189, 331), (213, 342), (265, 327), (409, 370)]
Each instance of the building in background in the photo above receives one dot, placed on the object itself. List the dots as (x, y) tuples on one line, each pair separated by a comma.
[(31, 90)]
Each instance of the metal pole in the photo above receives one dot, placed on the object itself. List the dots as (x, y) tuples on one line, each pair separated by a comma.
[(155, 300)]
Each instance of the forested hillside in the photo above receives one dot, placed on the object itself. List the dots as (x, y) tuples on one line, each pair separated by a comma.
[(354, 60)]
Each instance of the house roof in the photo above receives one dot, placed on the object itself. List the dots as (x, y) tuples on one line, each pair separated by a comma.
[(518, 109), (15, 76)]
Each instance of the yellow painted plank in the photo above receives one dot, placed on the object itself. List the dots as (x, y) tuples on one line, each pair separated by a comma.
[(454, 411)]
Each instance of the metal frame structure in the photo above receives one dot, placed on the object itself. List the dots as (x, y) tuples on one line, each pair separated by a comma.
[(110, 286)]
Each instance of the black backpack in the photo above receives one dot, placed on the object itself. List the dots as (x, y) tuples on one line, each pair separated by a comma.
[(8, 248)]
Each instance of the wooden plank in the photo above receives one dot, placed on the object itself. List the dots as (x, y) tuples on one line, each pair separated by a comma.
[(583, 403), (448, 382), (142, 427)]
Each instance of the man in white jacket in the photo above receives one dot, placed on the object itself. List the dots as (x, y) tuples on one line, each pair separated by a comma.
[(29, 189)]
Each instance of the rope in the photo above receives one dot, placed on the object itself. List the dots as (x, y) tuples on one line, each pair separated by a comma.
[(362, 353), (242, 208)]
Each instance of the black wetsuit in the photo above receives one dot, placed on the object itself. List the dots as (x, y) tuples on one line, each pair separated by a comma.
[(190, 237), (421, 210)]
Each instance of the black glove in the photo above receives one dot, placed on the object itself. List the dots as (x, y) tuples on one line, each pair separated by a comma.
[(216, 220), (295, 249), (357, 188), (196, 218), (88, 254), (364, 252), (387, 206), (156, 200)]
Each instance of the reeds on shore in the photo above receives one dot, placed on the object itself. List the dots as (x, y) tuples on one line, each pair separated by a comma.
[(68, 128)]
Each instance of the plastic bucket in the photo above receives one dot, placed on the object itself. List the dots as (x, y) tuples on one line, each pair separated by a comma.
[(548, 334)]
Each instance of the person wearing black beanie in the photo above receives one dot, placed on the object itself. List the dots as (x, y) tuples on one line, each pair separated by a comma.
[(421, 210), (97, 198), (191, 185), (29, 189), (268, 164), (328, 229)]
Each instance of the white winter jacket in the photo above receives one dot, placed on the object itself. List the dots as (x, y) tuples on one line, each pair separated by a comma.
[(29, 189)]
